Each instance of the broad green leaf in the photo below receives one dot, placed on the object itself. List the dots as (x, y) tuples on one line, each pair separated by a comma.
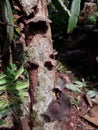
[(79, 84), (91, 93), (16, 86), (3, 81), (73, 87), (75, 9), (22, 85)]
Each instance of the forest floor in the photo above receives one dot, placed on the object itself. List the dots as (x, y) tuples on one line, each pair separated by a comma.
[(82, 91), (83, 114)]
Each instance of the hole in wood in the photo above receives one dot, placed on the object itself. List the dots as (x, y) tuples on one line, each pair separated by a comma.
[(48, 65)]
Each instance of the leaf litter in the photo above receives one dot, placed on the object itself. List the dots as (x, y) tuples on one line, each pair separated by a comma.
[(83, 113)]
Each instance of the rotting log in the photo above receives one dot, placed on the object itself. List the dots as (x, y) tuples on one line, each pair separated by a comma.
[(42, 74), (40, 63)]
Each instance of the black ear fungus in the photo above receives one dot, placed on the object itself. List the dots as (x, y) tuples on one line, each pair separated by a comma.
[(59, 108)]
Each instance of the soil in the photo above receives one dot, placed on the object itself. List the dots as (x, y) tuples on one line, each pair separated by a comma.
[(74, 119)]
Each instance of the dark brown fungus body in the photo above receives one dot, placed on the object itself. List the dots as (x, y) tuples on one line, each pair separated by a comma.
[(57, 109)]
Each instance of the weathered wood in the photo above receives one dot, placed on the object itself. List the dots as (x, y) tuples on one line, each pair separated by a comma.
[(28, 5), (40, 63)]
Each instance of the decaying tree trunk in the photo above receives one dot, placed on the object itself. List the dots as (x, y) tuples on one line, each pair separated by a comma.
[(40, 63)]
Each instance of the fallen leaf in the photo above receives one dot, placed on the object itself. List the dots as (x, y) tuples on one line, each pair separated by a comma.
[(92, 116)]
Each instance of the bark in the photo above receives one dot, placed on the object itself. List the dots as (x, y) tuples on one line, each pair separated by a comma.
[(28, 5), (40, 63)]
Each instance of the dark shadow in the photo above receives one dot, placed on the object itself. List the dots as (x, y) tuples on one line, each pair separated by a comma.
[(81, 59)]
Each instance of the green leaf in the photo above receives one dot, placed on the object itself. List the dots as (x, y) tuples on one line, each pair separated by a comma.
[(22, 85), (3, 81), (7, 17), (2, 75), (16, 86), (2, 122), (91, 93), (60, 6), (19, 72), (80, 84), (10, 108), (75, 101), (73, 87), (75, 9), (10, 71)]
